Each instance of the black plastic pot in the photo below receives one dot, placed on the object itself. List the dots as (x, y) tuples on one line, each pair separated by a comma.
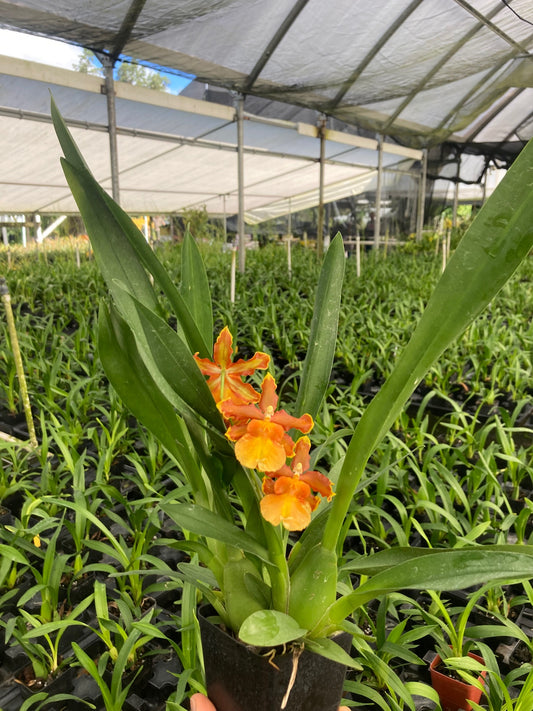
[(241, 678)]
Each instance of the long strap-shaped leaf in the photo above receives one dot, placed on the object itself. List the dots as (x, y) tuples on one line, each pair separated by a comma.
[(195, 288), (136, 387), (454, 569), (121, 249), (204, 522), (490, 251), (391, 557), (170, 361), (323, 336)]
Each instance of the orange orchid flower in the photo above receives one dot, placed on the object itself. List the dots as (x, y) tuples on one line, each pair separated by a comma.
[(260, 432), (225, 376), (288, 501), (299, 468)]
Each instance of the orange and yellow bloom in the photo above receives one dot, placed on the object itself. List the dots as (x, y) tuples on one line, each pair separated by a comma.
[(225, 377), (288, 501), (299, 469), (261, 435)]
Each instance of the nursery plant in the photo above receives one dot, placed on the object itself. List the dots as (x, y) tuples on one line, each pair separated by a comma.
[(247, 462)]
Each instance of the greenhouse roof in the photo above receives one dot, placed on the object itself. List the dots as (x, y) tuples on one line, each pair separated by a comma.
[(421, 73), (174, 152), (422, 70)]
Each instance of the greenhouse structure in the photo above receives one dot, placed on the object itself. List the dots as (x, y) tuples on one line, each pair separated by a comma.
[(266, 396)]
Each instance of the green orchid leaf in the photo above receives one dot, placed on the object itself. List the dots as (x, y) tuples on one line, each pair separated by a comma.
[(148, 630), (367, 692), (328, 648), (386, 559), (134, 384), (170, 362), (204, 522), (418, 688), (13, 555), (117, 260), (46, 699), (313, 586), (244, 591), (197, 578), (490, 251), (197, 574), (195, 288), (51, 627), (270, 628), (383, 560), (66, 141), (453, 569), (485, 632), (323, 336), (120, 247)]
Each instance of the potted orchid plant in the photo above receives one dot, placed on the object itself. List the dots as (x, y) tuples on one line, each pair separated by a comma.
[(247, 461)]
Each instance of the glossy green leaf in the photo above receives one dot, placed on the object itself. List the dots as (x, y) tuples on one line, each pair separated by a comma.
[(323, 336), (46, 699), (328, 648), (170, 362), (418, 688), (244, 591), (195, 288), (136, 387), (383, 560), (490, 251), (390, 557), (313, 586), (120, 247), (454, 569), (12, 555), (117, 259), (270, 628), (204, 522)]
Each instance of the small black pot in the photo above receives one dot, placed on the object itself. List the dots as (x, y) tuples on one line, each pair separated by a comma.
[(241, 678)]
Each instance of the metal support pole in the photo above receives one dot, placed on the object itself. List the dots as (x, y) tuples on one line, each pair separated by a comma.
[(52, 227), (421, 196), (224, 219), (38, 229), (23, 231), (108, 65), (289, 241), (232, 275), (240, 180), (456, 193), (4, 236), (377, 221), (320, 220)]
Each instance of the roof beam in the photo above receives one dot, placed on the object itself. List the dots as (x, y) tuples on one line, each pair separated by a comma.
[(515, 130), (274, 42), (354, 76), (485, 20), (486, 80), (436, 68), (126, 28), (495, 110)]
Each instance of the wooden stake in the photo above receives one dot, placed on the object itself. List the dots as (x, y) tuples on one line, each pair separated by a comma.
[(4, 291), (233, 267)]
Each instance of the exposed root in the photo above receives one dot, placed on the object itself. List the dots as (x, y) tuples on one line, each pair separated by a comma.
[(296, 652)]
